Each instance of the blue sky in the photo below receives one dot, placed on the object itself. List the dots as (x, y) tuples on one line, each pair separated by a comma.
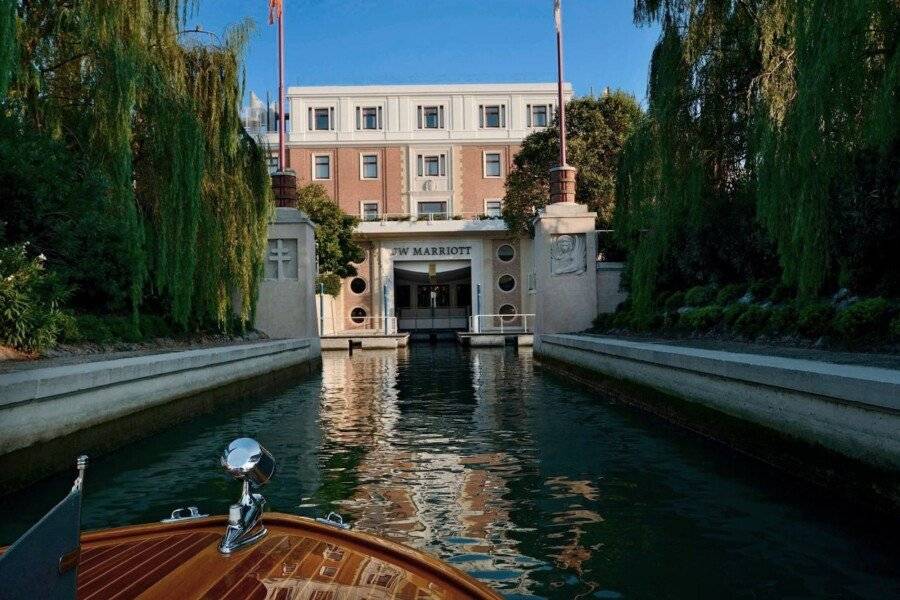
[(440, 41)]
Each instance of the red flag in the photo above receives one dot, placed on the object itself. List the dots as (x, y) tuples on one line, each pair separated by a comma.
[(274, 10)]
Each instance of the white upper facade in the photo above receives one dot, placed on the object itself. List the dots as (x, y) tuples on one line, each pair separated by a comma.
[(384, 114)]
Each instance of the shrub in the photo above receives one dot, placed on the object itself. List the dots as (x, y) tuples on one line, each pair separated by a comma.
[(761, 290), (700, 295), (782, 293), (814, 320), (752, 322), (675, 301), (155, 326), (89, 328), (733, 312), (332, 283), (730, 293), (701, 319), (862, 320), (30, 317), (783, 320), (894, 329), (603, 322), (622, 319)]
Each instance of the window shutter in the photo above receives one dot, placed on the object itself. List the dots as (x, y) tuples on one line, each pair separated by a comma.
[(502, 115), (421, 168), (443, 165), (441, 112), (380, 125), (481, 115), (420, 117), (310, 119), (358, 118), (331, 118), (528, 115)]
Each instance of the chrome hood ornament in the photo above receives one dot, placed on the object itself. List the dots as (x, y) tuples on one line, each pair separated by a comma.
[(247, 460)]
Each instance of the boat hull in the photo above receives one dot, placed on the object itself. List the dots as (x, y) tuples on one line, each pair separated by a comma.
[(299, 559)]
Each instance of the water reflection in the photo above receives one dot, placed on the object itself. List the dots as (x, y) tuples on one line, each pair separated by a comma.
[(534, 485)]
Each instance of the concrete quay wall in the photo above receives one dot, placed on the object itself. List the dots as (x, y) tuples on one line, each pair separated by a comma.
[(853, 411), (44, 404)]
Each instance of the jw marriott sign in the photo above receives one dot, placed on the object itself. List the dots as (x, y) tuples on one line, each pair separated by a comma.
[(432, 251)]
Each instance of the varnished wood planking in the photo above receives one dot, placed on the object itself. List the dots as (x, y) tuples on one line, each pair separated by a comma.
[(299, 560)]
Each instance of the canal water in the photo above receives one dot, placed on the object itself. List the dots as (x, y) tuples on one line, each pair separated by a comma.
[(537, 486)]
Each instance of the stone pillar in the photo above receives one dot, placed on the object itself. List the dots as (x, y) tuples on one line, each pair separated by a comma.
[(565, 255), (287, 305)]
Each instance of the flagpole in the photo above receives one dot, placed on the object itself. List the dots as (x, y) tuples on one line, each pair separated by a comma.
[(281, 161), (559, 84)]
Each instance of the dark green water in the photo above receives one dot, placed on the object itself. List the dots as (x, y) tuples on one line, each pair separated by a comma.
[(535, 485)]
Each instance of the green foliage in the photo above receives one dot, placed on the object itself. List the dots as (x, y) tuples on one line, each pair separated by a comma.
[(30, 317), (769, 150), (894, 329), (701, 319), (675, 301), (814, 319), (603, 322), (752, 321), (144, 137), (730, 293), (783, 320), (596, 130), (865, 319), (733, 312), (335, 247), (331, 283), (8, 46), (700, 295), (110, 329)]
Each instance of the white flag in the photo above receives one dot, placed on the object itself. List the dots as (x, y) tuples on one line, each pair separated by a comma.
[(557, 15)]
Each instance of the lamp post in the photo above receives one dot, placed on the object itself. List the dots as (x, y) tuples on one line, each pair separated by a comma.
[(562, 177)]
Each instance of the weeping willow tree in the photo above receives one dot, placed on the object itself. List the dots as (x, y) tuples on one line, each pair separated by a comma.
[(683, 180), (757, 109), (158, 122), (8, 45), (827, 96)]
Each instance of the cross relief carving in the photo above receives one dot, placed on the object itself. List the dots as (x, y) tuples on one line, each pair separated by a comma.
[(281, 259)]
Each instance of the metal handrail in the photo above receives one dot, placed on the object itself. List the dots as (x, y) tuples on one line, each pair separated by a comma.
[(430, 217), (390, 322), (475, 324)]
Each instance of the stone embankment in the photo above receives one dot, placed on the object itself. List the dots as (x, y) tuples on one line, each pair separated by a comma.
[(41, 406), (849, 412)]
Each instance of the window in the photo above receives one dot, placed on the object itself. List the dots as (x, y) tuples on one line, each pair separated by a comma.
[(508, 311), (321, 119), (506, 283), (369, 166), (432, 208), (538, 115), (402, 297), (322, 167), (358, 285), (369, 211), (358, 315), (492, 164), (432, 165), (368, 117), (492, 115), (431, 117), (506, 253), (493, 208)]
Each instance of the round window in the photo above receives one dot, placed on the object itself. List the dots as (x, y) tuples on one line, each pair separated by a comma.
[(358, 285), (507, 312), (506, 283), (506, 253), (358, 315)]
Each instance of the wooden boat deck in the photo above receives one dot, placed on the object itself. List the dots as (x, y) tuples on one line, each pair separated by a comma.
[(299, 559)]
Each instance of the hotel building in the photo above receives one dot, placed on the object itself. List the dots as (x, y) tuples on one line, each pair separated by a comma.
[(423, 166)]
